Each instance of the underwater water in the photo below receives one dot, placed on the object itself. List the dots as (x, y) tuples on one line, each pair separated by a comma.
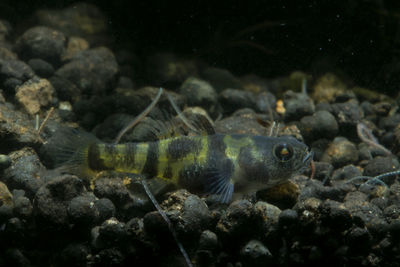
[(199, 133)]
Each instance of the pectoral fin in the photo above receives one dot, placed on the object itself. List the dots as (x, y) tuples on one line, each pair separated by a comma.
[(220, 185)]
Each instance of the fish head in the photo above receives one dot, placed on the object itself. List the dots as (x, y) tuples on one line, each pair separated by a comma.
[(273, 160)]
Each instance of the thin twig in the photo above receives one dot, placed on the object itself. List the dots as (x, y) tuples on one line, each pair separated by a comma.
[(180, 114), (367, 137), (45, 120), (139, 117), (167, 220)]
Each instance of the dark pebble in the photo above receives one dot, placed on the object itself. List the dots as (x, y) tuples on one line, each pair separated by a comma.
[(66, 89), (208, 241), (297, 105), (359, 239), (24, 172), (221, 79), (78, 19), (93, 70), (243, 121), (234, 99), (52, 200), (237, 221), (199, 93), (74, 255), (168, 69), (315, 189), (15, 257), (112, 233), (346, 173), (14, 73), (82, 210), (268, 215), (110, 257), (41, 42), (323, 171), (22, 207), (265, 103), (390, 122), (335, 215), (189, 213), (340, 152), (348, 114), (5, 161), (381, 165), (41, 68), (288, 218), (321, 123), (255, 253), (105, 208), (394, 229)]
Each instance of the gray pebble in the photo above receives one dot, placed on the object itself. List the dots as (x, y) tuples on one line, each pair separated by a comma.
[(321, 123), (41, 42), (340, 152), (297, 105)]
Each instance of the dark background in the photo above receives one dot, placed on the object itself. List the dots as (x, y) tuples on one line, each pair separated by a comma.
[(356, 39)]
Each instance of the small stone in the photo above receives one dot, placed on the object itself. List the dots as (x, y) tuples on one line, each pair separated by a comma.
[(15, 257), (282, 195), (381, 165), (42, 68), (340, 152), (327, 88), (79, 19), (75, 255), (297, 105), (255, 253), (82, 210), (189, 213), (268, 214), (221, 79), (66, 90), (75, 44), (93, 70), (41, 42), (5, 161), (348, 115), (167, 68), (346, 173), (359, 239), (208, 240), (6, 54), (199, 93), (105, 208), (323, 171), (243, 121), (112, 232), (34, 94), (234, 99), (236, 221), (14, 73), (22, 207), (288, 218), (52, 200), (24, 172), (5, 196), (321, 123)]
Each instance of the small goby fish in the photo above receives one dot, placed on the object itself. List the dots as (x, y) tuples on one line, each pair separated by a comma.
[(217, 164)]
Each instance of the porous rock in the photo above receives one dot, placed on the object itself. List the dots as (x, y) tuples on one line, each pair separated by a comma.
[(34, 94)]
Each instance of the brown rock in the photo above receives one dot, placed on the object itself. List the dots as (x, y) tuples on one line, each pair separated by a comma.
[(34, 94)]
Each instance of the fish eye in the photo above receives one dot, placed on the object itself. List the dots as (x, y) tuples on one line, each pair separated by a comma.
[(283, 151)]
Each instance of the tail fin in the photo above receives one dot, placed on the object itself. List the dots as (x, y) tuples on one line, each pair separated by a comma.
[(68, 151)]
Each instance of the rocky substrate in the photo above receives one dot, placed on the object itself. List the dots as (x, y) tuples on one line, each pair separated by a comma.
[(48, 219)]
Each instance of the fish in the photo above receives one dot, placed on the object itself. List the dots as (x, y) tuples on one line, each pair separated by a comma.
[(225, 166)]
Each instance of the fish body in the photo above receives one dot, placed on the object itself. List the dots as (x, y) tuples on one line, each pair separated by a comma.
[(216, 164)]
